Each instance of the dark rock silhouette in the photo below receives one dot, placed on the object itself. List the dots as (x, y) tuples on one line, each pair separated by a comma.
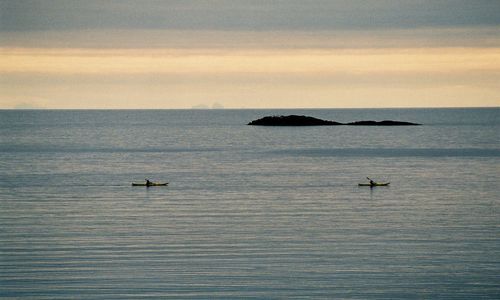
[(381, 123), (294, 120)]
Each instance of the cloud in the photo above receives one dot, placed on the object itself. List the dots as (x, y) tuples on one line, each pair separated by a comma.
[(257, 15), (209, 62), (249, 24), (229, 40), (259, 53), (125, 78)]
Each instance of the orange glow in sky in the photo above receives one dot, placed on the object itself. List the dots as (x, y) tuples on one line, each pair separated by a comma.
[(249, 54)]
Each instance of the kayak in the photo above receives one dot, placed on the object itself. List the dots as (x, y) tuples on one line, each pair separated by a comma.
[(151, 184), (375, 184)]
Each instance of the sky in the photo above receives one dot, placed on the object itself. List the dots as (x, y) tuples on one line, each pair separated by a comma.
[(125, 54)]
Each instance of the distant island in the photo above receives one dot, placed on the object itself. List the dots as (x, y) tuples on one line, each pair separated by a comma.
[(295, 120)]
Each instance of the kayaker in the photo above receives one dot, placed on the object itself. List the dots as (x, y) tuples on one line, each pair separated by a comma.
[(148, 182), (371, 181)]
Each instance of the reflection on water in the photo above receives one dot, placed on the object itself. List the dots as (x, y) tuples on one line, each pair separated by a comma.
[(249, 212)]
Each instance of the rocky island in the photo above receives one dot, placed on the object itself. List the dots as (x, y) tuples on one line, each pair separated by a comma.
[(294, 120)]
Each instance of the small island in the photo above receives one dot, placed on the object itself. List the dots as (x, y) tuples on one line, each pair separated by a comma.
[(295, 120), (292, 120)]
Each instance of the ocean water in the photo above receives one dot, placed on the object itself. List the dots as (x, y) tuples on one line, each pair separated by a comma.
[(250, 212)]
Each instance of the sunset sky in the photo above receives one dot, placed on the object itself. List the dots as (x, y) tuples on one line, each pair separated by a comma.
[(249, 54)]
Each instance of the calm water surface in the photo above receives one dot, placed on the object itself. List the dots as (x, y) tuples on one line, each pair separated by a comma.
[(250, 212)]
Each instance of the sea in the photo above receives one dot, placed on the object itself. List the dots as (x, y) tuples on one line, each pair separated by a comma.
[(250, 212)]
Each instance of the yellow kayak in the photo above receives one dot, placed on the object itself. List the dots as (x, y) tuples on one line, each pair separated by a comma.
[(375, 184), (150, 184)]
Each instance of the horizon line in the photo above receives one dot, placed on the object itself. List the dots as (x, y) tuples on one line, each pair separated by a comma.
[(276, 108)]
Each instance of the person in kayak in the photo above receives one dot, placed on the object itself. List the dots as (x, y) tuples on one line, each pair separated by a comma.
[(372, 183), (148, 183)]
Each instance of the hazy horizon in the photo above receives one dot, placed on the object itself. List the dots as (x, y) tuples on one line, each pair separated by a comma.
[(249, 54)]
